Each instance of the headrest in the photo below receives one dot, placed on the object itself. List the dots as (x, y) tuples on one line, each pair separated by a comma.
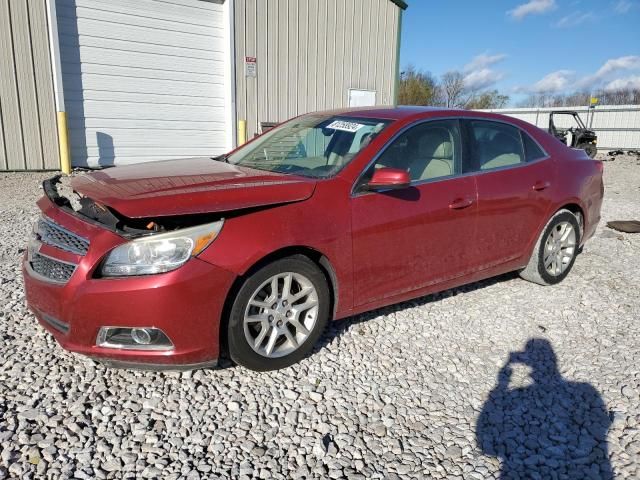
[(435, 143), (505, 143)]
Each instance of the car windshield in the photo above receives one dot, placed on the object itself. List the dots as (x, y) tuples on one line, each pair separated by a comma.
[(317, 146)]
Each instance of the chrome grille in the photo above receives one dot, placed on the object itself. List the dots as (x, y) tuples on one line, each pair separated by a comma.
[(53, 234), (51, 269)]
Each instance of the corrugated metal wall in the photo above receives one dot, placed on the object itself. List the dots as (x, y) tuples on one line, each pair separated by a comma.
[(617, 126), (310, 53), (28, 135)]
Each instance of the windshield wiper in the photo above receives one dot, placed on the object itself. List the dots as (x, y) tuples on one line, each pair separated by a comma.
[(221, 158)]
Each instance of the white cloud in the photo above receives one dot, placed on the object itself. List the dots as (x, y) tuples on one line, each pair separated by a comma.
[(632, 82), (484, 60), (478, 74), (532, 7), (630, 62), (483, 78), (553, 82), (609, 69), (604, 77), (575, 19), (622, 6)]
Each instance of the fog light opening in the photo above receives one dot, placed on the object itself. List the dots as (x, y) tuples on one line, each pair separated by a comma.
[(133, 338), (141, 335)]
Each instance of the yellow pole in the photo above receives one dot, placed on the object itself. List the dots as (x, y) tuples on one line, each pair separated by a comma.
[(242, 132), (63, 142)]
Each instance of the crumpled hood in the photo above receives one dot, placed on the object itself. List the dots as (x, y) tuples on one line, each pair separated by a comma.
[(189, 186)]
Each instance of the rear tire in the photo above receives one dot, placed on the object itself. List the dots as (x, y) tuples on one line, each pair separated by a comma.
[(555, 251), (278, 314)]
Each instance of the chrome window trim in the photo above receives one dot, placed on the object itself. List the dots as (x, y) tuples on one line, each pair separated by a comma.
[(418, 183), (507, 167), (499, 120), (355, 193)]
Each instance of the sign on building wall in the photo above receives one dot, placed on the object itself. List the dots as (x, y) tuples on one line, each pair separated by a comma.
[(361, 98), (250, 66)]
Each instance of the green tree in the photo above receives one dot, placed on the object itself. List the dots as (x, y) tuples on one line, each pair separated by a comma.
[(416, 87)]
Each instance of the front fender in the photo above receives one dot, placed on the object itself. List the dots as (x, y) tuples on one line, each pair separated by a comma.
[(321, 224)]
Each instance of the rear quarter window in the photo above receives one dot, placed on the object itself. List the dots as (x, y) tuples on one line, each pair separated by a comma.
[(532, 150)]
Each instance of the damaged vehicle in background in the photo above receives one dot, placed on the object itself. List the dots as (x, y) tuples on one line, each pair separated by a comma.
[(248, 256), (576, 134)]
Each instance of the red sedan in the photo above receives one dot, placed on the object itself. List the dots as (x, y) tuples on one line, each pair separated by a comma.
[(249, 255)]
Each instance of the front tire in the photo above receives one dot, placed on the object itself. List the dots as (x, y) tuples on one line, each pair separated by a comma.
[(278, 314), (555, 251)]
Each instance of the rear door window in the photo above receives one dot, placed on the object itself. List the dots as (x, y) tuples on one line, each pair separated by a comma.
[(496, 145)]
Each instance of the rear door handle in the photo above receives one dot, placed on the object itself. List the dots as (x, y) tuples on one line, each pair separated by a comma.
[(460, 203), (540, 185)]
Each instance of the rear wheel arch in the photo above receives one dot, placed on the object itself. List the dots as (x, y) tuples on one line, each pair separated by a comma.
[(536, 270), (577, 210), (572, 207)]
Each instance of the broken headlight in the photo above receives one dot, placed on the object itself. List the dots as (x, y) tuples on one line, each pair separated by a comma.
[(161, 252)]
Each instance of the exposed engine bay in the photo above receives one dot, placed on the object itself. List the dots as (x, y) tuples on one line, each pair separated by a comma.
[(60, 192)]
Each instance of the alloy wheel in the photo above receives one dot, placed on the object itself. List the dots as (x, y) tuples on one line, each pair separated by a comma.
[(559, 248), (281, 314)]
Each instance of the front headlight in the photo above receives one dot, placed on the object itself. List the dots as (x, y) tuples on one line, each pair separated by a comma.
[(160, 253)]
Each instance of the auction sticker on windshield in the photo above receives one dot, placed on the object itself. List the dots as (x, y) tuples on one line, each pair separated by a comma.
[(345, 126)]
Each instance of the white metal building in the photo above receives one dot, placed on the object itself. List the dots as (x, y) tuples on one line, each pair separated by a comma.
[(617, 126), (155, 79)]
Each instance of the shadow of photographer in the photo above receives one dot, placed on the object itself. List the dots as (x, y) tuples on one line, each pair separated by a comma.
[(550, 429)]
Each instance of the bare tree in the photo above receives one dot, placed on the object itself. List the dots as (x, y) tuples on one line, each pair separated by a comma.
[(629, 96), (421, 88), (487, 100), (453, 89)]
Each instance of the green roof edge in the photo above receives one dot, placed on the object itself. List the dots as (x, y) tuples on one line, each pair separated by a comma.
[(402, 4)]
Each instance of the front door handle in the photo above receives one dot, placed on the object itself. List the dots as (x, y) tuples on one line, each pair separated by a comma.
[(460, 203), (540, 185)]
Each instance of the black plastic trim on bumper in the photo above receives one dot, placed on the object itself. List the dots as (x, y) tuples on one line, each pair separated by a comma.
[(107, 362), (54, 323)]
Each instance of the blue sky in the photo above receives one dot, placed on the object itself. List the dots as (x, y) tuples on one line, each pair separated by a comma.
[(526, 46)]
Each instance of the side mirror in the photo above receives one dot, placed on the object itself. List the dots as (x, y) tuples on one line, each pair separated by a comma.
[(389, 179)]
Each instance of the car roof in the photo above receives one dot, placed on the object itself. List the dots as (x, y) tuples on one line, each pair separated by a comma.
[(403, 112), (411, 113)]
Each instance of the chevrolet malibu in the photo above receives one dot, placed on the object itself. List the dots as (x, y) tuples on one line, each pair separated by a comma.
[(248, 256)]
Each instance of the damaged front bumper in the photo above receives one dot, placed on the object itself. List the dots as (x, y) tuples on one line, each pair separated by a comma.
[(186, 304)]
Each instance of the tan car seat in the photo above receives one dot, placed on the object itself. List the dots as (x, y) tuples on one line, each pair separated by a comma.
[(501, 152), (434, 156)]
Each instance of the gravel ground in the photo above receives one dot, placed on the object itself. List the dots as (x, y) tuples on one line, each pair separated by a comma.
[(420, 389)]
